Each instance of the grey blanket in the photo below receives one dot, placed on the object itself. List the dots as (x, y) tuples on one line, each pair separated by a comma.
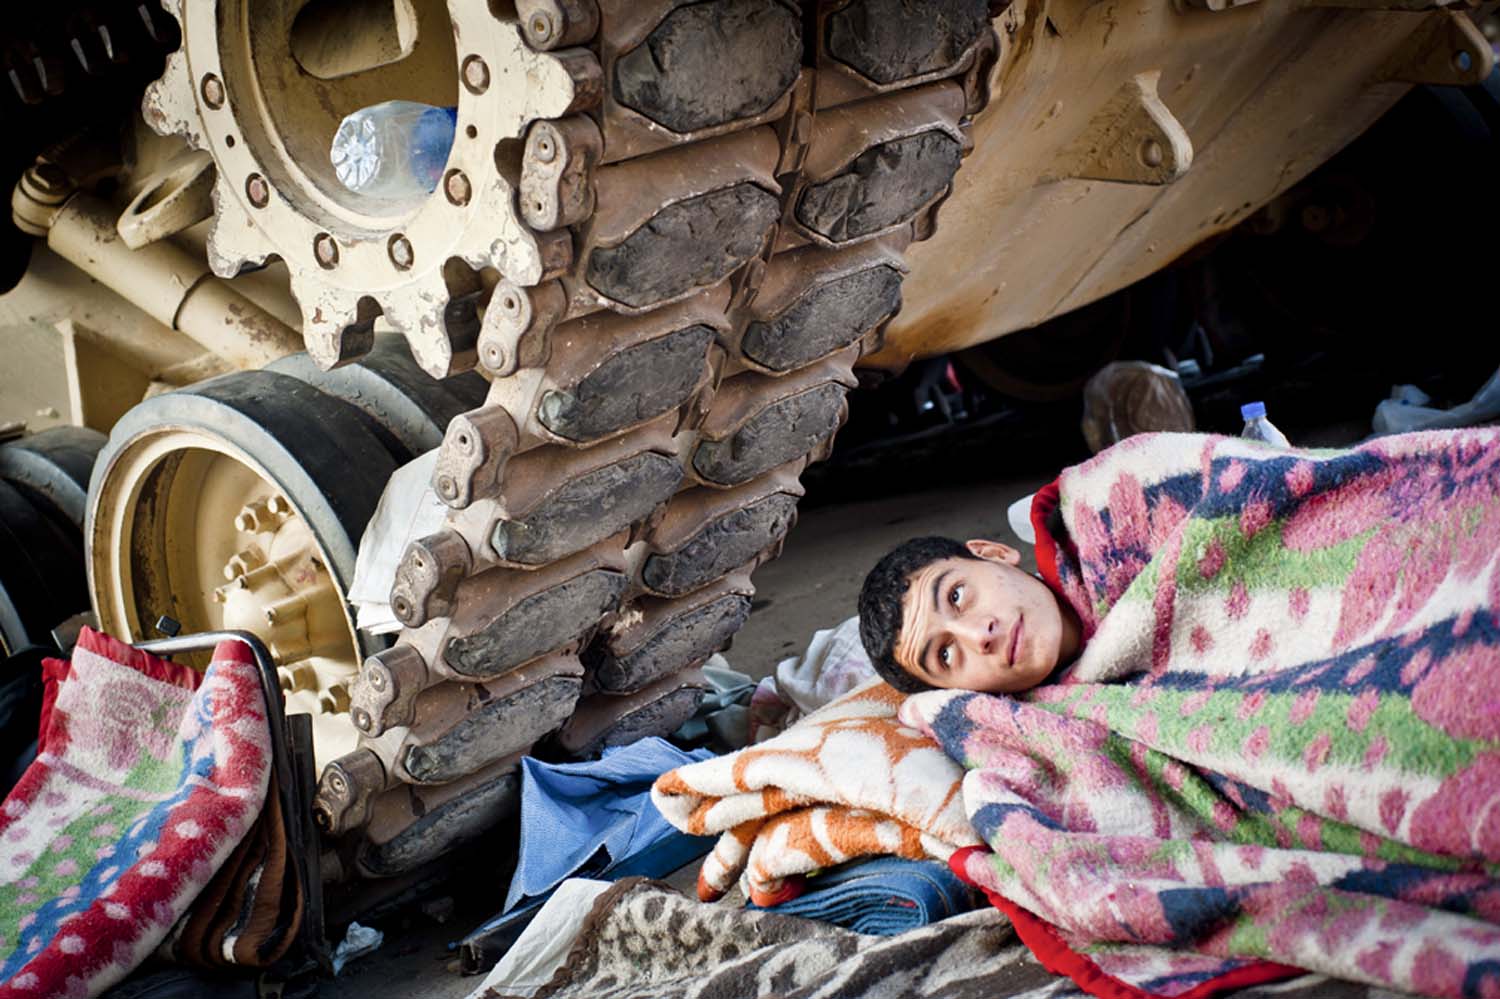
[(643, 940)]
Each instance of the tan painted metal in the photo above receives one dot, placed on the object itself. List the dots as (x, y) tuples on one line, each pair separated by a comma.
[(170, 285), (1263, 93), (162, 279), (189, 525)]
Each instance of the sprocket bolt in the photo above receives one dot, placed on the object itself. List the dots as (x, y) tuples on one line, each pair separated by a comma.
[(401, 252), (456, 186), (213, 91), (257, 190), (326, 250), (476, 75)]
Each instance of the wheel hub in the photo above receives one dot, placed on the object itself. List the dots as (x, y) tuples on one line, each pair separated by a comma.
[(186, 525)]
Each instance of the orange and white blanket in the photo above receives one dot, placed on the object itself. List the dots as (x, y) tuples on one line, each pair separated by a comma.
[(847, 781)]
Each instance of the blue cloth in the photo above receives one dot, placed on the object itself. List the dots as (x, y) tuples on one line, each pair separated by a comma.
[(590, 815), (885, 896)]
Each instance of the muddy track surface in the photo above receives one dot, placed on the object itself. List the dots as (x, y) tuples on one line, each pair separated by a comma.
[(721, 217)]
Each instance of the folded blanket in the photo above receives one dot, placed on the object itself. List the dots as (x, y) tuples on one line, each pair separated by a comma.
[(248, 916), (847, 781), (142, 789), (1303, 761), (884, 896)]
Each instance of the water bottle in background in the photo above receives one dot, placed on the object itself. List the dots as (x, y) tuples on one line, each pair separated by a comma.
[(395, 150), (1258, 428)]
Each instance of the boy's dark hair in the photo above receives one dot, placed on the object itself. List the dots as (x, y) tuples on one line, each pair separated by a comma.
[(880, 603)]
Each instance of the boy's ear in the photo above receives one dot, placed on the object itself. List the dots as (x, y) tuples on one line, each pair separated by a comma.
[(994, 551)]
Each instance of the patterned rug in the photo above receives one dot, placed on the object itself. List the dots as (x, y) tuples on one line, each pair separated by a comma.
[(141, 789), (641, 940)]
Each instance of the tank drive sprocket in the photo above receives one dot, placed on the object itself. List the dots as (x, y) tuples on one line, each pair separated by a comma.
[(253, 84)]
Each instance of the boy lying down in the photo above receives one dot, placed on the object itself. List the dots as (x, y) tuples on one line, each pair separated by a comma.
[(1246, 721)]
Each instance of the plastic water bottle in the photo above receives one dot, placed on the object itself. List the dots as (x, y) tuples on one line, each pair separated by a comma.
[(1258, 428), (394, 150)]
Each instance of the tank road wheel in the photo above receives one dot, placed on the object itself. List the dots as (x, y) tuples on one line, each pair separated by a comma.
[(44, 480), (406, 407), (666, 232), (239, 503)]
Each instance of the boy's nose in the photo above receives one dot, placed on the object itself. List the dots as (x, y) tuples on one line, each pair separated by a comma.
[(986, 635)]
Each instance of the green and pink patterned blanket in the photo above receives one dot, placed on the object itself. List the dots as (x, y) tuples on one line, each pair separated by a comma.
[(141, 788), (1282, 740)]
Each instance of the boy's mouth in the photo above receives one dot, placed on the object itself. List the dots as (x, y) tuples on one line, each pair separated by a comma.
[(1015, 641)]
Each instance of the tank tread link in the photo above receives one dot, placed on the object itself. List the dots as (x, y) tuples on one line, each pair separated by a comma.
[(716, 219)]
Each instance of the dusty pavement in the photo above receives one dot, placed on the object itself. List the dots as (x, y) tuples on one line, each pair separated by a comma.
[(813, 585)]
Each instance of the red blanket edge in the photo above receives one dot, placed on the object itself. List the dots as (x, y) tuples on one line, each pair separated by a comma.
[(1044, 941), (55, 671), (1043, 503)]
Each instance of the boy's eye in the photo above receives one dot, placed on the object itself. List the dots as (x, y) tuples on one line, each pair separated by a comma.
[(956, 595), (945, 655)]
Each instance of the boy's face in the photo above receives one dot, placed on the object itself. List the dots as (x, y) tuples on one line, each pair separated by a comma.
[(982, 625)]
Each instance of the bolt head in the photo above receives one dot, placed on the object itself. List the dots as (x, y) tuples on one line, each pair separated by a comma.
[(213, 91), (457, 187), (361, 719), (447, 487), (257, 190), (376, 678), (492, 356), (401, 252), (476, 75), (326, 251), (541, 28), (546, 146), (337, 784)]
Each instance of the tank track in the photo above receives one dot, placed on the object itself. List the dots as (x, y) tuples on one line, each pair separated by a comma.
[(733, 201)]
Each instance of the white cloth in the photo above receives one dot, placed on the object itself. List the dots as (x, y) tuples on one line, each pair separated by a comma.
[(408, 510), (544, 945), (833, 664), (1019, 516)]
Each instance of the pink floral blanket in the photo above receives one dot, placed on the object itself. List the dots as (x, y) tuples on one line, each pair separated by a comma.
[(141, 789), (1282, 741)]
